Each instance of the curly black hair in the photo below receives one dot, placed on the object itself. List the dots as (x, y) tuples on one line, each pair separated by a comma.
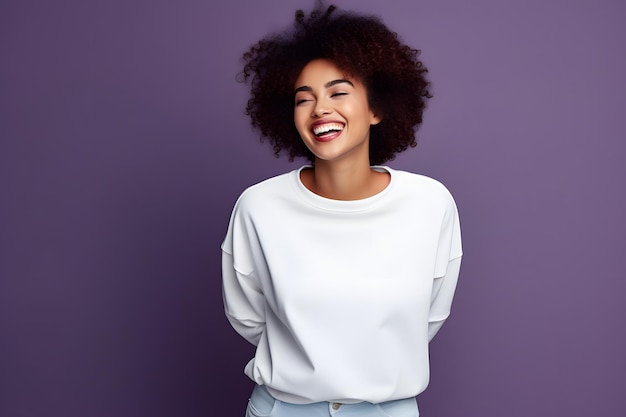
[(360, 45)]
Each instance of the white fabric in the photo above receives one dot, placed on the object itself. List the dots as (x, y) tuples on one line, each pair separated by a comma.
[(341, 297)]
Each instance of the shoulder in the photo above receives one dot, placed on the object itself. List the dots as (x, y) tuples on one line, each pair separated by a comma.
[(256, 202), (422, 187), (264, 193)]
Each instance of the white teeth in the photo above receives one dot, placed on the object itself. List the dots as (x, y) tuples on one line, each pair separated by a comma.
[(321, 129)]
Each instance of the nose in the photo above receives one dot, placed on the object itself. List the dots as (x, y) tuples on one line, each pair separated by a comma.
[(321, 108)]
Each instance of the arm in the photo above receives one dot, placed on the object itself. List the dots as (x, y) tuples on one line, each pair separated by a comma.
[(446, 273), (442, 295), (244, 302)]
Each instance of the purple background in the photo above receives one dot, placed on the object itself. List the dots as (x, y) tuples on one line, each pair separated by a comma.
[(124, 145)]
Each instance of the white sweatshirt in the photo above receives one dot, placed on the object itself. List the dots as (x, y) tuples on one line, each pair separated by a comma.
[(341, 297)]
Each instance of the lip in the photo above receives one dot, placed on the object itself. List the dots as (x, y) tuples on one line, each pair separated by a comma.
[(326, 138), (325, 122)]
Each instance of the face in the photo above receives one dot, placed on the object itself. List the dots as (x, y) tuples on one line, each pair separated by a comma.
[(332, 113)]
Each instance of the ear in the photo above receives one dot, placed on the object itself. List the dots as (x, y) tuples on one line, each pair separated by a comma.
[(375, 117)]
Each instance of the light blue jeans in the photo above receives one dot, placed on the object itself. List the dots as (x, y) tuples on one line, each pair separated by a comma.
[(262, 404)]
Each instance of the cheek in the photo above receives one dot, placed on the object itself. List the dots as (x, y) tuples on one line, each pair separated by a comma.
[(299, 120)]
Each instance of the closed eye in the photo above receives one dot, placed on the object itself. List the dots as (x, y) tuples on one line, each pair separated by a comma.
[(338, 94)]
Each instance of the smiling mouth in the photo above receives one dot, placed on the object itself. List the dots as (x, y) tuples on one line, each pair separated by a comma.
[(327, 129)]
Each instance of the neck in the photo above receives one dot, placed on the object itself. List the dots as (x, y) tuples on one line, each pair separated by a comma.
[(344, 181)]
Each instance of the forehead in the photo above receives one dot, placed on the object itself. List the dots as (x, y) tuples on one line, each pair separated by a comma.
[(320, 71)]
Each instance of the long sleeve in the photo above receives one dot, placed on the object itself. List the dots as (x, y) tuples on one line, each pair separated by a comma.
[(244, 303), (442, 295)]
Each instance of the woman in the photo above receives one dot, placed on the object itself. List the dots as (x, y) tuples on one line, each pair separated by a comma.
[(341, 271)]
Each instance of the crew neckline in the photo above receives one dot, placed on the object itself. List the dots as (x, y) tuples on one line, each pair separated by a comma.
[(342, 205)]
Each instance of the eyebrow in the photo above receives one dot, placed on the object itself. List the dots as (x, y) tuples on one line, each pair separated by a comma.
[(327, 85)]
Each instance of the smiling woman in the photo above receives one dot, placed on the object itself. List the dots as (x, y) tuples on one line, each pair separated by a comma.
[(329, 106), (333, 117), (363, 48), (342, 271)]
